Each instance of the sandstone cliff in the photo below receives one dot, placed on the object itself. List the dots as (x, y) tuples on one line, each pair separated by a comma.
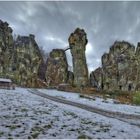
[(120, 68), (19, 59), (6, 49), (57, 68), (77, 42), (28, 60)]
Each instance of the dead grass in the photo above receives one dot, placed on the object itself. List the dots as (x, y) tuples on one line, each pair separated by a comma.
[(123, 97)]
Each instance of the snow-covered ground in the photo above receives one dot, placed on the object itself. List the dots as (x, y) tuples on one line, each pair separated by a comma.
[(24, 115), (98, 102)]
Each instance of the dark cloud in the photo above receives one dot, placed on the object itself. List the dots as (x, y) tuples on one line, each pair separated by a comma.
[(52, 22)]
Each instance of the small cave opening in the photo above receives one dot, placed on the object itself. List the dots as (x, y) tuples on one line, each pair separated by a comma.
[(130, 87), (120, 87)]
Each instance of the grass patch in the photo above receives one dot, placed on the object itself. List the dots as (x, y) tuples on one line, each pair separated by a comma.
[(113, 94), (136, 98), (37, 128), (1, 133), (121, 96), (48, 126), (35, 135), (70, 114), (24, 110), (64, 126), (35, 131), (84, 137), (12, 127), (84, 121)]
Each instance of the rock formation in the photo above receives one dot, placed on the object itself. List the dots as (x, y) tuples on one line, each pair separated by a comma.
[(19, 59), (28, 60), (6, 49), (57, 68), (96, 78), (120, 68), (22, 61), (42, 70), (77, 43), (70, 78)]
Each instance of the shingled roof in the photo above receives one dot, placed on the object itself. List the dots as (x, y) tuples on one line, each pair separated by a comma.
[(5, 80)]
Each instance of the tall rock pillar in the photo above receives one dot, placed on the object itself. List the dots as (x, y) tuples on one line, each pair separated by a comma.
[(77, 43)]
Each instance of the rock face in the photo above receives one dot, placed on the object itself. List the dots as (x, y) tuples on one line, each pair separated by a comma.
[(28, 60), (19, 59), (57, 68), (77, 43), (120, 68), (42, 70), (96, 78), (6, 50), (70, 78)]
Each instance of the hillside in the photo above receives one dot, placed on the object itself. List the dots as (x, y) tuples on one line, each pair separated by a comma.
[(24, 116)]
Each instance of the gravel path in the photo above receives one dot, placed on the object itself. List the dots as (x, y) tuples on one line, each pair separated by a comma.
[(129, 118)]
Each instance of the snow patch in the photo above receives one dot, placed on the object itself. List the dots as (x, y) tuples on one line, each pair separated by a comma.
[(24, 115)]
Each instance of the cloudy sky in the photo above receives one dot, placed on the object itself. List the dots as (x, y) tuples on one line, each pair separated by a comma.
[(52, 23)]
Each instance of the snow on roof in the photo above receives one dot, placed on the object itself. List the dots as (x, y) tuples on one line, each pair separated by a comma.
[(5, 80)]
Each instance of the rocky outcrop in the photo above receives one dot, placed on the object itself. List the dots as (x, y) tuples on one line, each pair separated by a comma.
[(19, 59), (57, 68), (28, 60), (42, 70), (70, 78), (77, 42), (96, 78), (120, 68), (6, 50)]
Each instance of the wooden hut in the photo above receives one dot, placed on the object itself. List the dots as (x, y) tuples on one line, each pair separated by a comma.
[(6, 83)]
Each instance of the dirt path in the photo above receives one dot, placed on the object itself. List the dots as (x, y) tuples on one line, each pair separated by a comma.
[(129, 118)]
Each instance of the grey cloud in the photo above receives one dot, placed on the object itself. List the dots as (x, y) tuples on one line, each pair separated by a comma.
[(52, 22)]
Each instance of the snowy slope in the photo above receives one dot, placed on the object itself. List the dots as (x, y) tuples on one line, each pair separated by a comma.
[(24, 115), (99, 102)]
